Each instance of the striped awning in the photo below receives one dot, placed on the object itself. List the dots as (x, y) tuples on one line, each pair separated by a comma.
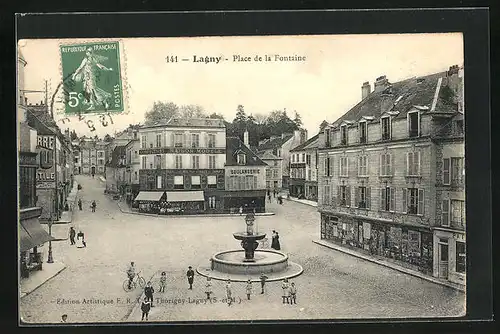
[(153, 196), (185, 196)]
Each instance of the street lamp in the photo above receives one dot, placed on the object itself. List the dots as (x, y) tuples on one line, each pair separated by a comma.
[(50, 259)]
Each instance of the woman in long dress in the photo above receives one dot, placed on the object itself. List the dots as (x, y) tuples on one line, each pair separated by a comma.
[(87, 73), (80, 240)]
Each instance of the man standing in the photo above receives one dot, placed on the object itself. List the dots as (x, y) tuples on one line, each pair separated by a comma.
[(145, 307), (93, 206), (163, 281), (72, 234), (263, 279), (80, 204), (285, 287), (249, 288), (148, 291), (293, 294), (190, 277)]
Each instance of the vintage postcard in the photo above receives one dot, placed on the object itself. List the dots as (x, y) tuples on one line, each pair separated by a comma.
[(191, 179)]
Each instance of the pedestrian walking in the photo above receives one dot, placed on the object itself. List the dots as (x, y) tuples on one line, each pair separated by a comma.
[(163, 281), (229, 293), (93, 206), (92, 175), (72, 234), (208, 287), (80, 204), (285, 286), (64, 317), (275, 243), (145, 308), (190, 277), (274, 193), (148, 291), (293, 294), (263, 279), (80, 238), (249, 288)]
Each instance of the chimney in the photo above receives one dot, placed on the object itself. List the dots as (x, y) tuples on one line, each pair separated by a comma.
[(381, 83), (245, 138), (366, 89)]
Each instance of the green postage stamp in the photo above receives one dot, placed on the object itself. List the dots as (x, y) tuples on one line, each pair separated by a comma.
[(92, 78)]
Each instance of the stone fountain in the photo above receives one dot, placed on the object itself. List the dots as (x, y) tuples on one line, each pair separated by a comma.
[(250, 263)]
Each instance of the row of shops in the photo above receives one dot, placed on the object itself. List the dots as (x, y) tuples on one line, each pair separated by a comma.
[(432, 252), (199, 201)]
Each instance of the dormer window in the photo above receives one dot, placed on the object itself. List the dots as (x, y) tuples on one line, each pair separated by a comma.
[(343, 135), (327, 137), (362, 132), (242, 159), (385, 123), (413, 119)]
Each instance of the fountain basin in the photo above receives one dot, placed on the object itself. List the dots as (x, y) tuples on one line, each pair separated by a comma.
[(265, 261), (245, 236)]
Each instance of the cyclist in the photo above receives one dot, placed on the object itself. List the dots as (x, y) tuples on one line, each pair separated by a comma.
[(131, 274)]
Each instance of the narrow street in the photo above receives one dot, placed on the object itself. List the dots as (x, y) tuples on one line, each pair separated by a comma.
[(333, 285)]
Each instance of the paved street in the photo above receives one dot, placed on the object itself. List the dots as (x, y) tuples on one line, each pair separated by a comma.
[(333, 285)]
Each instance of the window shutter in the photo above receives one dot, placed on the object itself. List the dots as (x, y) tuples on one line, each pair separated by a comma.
[(356, 197), (405, 206), (391, 164), (392, 199), (331, 166), (409, 157), (382, 199), (368, 197), (347, 166), (380, 159), (419, 165), (172, 140), (348, 195), (446, 171), (420, 202), (445, 212), (184, 140), (339, 197), (205, 136), (358, 165), (340, 166)]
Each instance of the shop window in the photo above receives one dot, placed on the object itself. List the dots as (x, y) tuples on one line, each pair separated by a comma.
[(158, 182), (211, 202), (460, 257), (178, 182)]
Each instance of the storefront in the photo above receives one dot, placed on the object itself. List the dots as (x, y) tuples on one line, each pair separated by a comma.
[(449, 255), (149, 201), (311, 190), (410, 246), (183, 202), (32, 236), (247, 200), (297, 187)]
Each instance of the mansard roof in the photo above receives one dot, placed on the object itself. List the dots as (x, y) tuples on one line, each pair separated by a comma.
[(311, 143), (234, 146)]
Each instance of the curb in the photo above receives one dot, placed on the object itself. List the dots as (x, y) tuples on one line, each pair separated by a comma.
[(296, 201), (139, 301), (262, 214), (392, 266), (22, 295)]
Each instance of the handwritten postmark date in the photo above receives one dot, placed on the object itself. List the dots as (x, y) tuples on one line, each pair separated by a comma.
[(92, 78)]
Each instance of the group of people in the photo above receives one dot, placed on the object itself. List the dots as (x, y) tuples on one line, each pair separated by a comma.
[(93, 205), (279, 199), (275, 243), (80, 238)]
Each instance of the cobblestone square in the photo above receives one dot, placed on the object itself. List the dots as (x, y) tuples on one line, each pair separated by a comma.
[(333, 285)]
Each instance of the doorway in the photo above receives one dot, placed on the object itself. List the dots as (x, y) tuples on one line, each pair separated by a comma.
[(443, 258), (93, 170)]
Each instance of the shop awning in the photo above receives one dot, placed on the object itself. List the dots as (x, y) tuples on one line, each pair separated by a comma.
[(32, 234), (153, 196), (185, 196)]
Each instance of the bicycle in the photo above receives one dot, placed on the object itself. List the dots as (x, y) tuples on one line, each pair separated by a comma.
[(138, 279)]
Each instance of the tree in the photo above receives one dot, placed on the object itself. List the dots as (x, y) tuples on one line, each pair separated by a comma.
[(192, 111), (215, 115), (161, 112), (108, 138), (298, 120)]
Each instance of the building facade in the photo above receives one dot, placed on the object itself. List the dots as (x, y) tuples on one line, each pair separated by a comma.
[(77, 158), (377, 170), (245, 172), (185, 158), (116, 172), (304, 170), (93, 156), (274, 169), (133, 166), (280, 146)]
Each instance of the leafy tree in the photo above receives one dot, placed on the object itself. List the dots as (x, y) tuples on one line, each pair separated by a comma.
[(298, 120), (161, 112), (192, 111), (215, 116)]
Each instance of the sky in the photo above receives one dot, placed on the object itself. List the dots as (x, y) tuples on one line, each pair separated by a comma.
[(324, 86)]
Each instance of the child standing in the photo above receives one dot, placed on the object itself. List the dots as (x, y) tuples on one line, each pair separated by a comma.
[(285, 287), (208, 287), (163, 281), (263, 279), (249, 288), (293, 294)]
